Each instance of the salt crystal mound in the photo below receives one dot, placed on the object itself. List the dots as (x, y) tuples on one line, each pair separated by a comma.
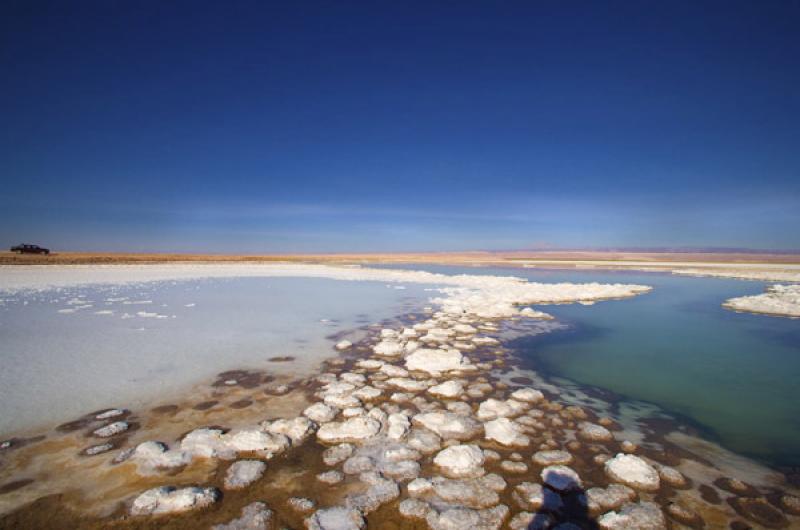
[(351, 430), (448, 389), (448, 425), (461, 461), (243, 473), (561, 478), (255, 516), (633, 471), (166, 499), (641, 515), (336, 518), (781, 300), (505, 432), (437, 361)]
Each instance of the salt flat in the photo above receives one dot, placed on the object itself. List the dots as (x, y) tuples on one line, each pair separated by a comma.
[(82, 337)]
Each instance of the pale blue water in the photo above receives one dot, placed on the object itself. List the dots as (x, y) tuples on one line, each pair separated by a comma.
[(69, 351), (736, 375)]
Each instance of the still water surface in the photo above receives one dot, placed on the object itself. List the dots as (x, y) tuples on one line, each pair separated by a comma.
[(736, 375)]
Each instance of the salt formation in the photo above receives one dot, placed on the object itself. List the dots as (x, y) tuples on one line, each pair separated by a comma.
[(243, 473), (461, 461), (255, 516), (633, 471), (172, 500), (642, 516), (781, 300)]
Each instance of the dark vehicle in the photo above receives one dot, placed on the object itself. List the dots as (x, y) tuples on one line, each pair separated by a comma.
[(30, 249)]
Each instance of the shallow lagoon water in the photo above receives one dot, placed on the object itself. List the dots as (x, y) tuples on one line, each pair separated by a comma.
[(69, 351), (734, 375)]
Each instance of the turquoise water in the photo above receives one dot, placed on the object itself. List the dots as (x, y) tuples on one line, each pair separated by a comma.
[(736, 375)]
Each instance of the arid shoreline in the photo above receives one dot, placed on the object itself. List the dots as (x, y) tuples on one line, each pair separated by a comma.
[(550, 258)]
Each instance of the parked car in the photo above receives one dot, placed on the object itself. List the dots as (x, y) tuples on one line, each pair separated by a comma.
[(30, 249)]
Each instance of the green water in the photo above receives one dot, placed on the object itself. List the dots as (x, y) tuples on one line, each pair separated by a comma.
[(736, 375)]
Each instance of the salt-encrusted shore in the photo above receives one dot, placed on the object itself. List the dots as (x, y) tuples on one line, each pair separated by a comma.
[(781, 300), (422, 424), (742, 273)]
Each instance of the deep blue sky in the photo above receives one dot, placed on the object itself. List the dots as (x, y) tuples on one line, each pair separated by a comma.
[(342, 126)]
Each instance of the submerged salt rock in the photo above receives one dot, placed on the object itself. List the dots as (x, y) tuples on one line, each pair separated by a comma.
[(393, 371), (168, 499), (671, 476), (461, 518), (388, 348), (471, 493), (409, 385), (685, 515), (419, 486), (111, 413), (343, 345), (461, 461), (448, 389), (505, 432), (424, 441), (790, 504), (336, 518), (243, 473), (633, 471), (380, 492), (370, 364), (338, 453), (351, 430), (297, 429), (639, 516), (398, 426), (552, 457), (402, 470), (494, 408), (366, 393), (112, 429), (594, 432), (301, 504), (253, 439), (532, 496), (414, 509), (203, 442), (448, 425), (459, 407), (561, 478), (600, 500), (528, 395), (96, 449), (255, 516), (330, 477), (531, 521), (436, 361), (153, 456), (513, 467), (353, 378), (320, 412), (532, 313)]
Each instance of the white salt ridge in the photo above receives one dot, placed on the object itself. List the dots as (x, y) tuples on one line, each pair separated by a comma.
[(484, 296), (781, 300), (757, 272)]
